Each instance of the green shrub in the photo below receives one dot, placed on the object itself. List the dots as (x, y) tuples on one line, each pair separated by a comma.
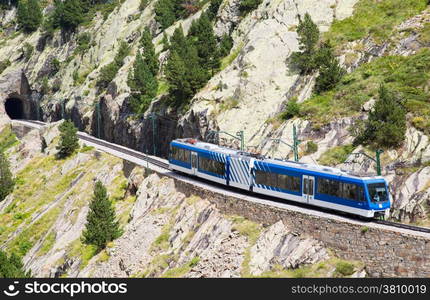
[(246, 6), (344, 268), (292, 110), (108, 72), (4, 64), (84, 43), (7, 182), (311, 147), (27, 51), (336, 155)]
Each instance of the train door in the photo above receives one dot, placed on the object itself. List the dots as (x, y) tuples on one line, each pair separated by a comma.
[(194, 159), (308, 190)]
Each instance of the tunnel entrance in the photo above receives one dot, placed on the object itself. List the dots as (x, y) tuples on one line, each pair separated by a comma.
[(14, 108)]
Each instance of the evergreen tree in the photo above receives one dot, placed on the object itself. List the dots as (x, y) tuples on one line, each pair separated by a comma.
[(183, 70), (108, 72), (143, 85), (69, 141), (175, 75), (167, 12), (308, 33), (12, 266), (150, 57), (29, 15), (386, 125), (213, 9), (247, 6), (102, 226), (203, 37), (68, 14), (165, 42), (330, 71), (225, 45), (6, 179)]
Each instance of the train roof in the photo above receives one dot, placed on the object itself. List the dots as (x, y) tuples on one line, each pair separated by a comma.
[(281, 162)]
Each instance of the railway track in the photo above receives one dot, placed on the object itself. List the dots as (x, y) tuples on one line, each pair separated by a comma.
[(164, 165)]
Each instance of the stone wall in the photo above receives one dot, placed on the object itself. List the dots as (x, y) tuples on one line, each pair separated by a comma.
[(386, 253)]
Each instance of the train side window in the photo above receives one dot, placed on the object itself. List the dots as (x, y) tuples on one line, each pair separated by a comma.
[(211, 165), (181, 154), (360, 194), (311, 187)]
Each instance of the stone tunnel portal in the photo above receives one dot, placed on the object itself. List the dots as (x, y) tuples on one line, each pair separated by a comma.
[(14, 108)]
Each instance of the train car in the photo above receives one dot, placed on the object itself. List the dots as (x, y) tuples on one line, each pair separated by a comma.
[(305, 183)]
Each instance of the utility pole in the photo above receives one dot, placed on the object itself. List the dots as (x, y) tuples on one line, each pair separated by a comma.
[(98, 117), (240, 135), (294, 146), (153, 117), (377, 159)]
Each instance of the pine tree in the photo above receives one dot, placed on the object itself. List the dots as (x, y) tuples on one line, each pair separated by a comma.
[(102, 226), (386, 125), (35, 15), (203, 37), (150, 57), (29, 15), (165, 42), (247, 6), (69, 141), (165, 13), (175, 75), (68, 14), (225, 45), (12, 266), (308, 38), (213, 9), (143, 85), (330, 71), (6, 179)]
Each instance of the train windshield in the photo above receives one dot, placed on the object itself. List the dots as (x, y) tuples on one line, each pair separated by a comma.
[(377, 192)]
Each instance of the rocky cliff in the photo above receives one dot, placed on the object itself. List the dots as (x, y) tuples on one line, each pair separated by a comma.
[(250, 91), (165, 232)]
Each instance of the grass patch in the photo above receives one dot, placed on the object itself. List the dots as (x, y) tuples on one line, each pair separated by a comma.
[(322, 269), (163, 87), (226, 61), (47, 244), (375, 18), (7, 138), (84, 252), (182, 270), (252, 231), (408, 76), (335, 155)]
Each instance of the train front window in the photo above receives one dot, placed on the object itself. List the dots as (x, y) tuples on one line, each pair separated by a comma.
[(377, 192)]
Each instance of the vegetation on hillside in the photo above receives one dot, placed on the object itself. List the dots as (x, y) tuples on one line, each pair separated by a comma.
[(405, 76), (108, 72), (7, 182), (373, 18), (314, 57)]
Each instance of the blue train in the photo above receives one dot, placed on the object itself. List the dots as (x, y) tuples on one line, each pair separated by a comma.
[(312, 184)]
